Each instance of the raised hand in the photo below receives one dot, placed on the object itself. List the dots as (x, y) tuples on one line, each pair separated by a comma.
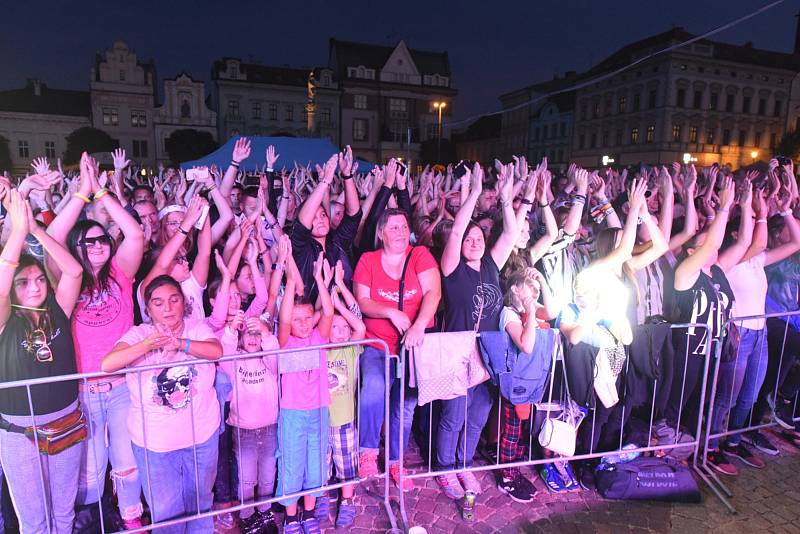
[(40, 166), (390, 173), (17, 212), (241, 150), (727, 193), (582, 181), (194, 210), (505, 183), (636, 198), (598, 186), (329, 170), (284, 249), (271, 157), (120, 160), (476, 179), (346, 161), (221, 266)]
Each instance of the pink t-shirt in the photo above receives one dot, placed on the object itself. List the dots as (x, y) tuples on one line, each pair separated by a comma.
[(254, 399), (171, 396), (100, 318), (305, 390)]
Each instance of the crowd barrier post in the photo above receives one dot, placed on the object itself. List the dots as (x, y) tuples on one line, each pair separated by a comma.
[(720, 489), (85, 377), (558, 355)]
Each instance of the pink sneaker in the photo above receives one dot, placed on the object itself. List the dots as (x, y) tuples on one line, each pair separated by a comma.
[(394, 472), (368, 464)]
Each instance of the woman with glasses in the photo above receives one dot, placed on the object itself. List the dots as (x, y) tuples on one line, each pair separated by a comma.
[(35, 343), (174, 415), (104, 312)]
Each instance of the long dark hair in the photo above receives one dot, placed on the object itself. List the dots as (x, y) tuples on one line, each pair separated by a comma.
[(605, 243), (50, 304), (76, 247)]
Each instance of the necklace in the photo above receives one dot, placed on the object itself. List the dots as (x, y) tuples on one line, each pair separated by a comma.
[(21, 307)]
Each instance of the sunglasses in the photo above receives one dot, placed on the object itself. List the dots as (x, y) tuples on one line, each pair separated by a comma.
[(99, 240), (37, 343)]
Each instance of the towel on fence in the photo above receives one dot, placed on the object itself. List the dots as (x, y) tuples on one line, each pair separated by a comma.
[(521, 376), (650, 350), (446, 365)]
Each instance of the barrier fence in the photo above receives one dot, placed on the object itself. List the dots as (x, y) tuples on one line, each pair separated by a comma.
[(204, 512)]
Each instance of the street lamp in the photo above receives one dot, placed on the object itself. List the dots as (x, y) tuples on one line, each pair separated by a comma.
[(439, 106), (754, 155)]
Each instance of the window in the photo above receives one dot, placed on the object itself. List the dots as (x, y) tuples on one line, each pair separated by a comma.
[(360, 101), (581, 141), (583, 112), (778, 108), (397, 106), (138, 119), (730, 100), (607, 107), (710, 136), (698, 99), (325, 116), (746, 104), (622, 103), (139, 149), (713, 101), (726, 137), (605, 138), (22, 146), (536, 134), (762, 106), (594, 139), (186, 110), (110, 117), (742, 137), (288, 112), (757, 140), (651, 133), (233, 108), (50, 149), (256, 110), (273, 112), (680, 101), (122, 75), (360, 130), (676, 132), (636, 102), (596, 110), (651, 98), (562, 130), (552, 131), (634, 136), (693, 134)]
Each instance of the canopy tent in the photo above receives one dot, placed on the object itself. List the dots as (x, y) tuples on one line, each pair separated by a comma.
[(290, 150)]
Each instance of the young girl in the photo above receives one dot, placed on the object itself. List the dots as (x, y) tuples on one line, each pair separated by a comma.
[(253, 418), (303, 418), (520, 318)]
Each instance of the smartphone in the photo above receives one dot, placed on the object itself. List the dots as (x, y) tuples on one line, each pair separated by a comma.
[(252, 181), (200, 173), (783, 160), (401, 167), (460, 170), (202, 220)]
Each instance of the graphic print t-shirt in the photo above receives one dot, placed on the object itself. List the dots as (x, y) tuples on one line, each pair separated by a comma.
[(466, 291), (171, 396), (709, 302), (342, 384), (100, 318)]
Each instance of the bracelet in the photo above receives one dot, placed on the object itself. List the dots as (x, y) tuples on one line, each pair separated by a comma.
[(211, 188), (526, 202), (577, 196), (184, 232), (722, 210), (346, 177), (285, 197), (82, 197), (270, 170), (710, 218), (234, 163), (188, 344), (278, 267), (101, 193), (544, 205), (760, 221), (785, 213), (8, 263), (505, 204)]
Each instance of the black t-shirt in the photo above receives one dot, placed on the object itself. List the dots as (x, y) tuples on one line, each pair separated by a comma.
[(464, 291), (18, 362), (709, 302)]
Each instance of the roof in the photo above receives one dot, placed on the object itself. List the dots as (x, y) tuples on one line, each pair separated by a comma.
[(487, 127), (549, 86), (48, 101), (348, 53), (252, 73)]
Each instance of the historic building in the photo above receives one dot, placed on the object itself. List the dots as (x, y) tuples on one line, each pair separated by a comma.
[(184, 108), (387, 97)]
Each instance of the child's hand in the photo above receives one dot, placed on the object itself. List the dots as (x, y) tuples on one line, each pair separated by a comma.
[(237, 320)]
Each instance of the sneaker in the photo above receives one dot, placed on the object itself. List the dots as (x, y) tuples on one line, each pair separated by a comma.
[(394, 472), (760, 442), (510, 488), (450, 486), (743, 453), (552, 479), (368, 464), (622, 456), (252, 524), (322, 509), (524, 485), (346, 514), (133, 524), (567, 476), (225, 521), (721, 464), (587, 479), (293, 527), (470, 482), (268, 523), (310, 525), (782, 412)]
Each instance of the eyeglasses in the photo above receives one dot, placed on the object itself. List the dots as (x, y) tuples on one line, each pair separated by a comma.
[(37, 343), (174, 224), (102, 240), (181, 259)]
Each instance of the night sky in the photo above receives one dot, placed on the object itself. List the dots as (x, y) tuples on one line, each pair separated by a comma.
[(494, 47)]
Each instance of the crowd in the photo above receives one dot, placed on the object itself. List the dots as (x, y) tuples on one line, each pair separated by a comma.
[(107, 271)]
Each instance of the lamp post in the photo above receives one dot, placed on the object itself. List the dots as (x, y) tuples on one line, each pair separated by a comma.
[(754, 155), (439, 106)]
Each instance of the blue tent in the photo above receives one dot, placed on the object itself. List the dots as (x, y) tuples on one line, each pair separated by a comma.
[(290, 150)]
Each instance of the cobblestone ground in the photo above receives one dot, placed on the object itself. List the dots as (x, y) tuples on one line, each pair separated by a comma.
[(767, 500)]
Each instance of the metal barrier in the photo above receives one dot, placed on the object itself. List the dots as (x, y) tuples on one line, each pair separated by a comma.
[(720, 408), (694, 425), (85, 377)]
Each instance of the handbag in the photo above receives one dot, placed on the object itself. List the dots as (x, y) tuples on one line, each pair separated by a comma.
[(648, 478), (56, 436), (560, 433)]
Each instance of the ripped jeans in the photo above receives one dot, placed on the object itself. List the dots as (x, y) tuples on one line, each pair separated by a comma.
[(107, 412)]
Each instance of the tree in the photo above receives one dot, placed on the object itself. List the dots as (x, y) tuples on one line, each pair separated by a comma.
[(5, 155), (189, 144), (789, 145), (87, 139)]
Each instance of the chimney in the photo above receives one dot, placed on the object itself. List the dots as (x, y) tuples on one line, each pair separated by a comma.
[(797, 34)]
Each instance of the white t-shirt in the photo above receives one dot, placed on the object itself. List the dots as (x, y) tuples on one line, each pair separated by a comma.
[(170, 397), (254, 399), (749, 283), (192, 293)]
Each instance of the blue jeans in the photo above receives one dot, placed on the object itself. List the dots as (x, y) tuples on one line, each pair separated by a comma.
[(302, 451), (108, 411), (738, 384), (255, 453), (170, 486), (475, 406), (371, 408)]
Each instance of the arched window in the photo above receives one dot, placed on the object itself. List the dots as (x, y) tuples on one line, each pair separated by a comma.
[(186, 109)]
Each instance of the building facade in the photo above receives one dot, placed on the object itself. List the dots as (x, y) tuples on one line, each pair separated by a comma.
[(37, 119), (253, 99), (481, 141), (387, 98), (184, 108)]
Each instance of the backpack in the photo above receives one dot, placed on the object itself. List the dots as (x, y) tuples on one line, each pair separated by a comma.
[(648, 479)]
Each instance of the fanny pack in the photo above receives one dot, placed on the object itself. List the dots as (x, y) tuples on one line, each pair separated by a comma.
[(56, 436)]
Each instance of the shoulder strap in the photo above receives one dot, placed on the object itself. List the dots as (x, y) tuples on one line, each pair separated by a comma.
[(403, 280)]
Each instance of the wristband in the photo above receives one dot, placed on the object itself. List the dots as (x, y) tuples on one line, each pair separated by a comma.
[(278, 267), (184, 232), (526, 202), (270, 169), (101, 193), (234, 163), (211, 188), (544, 205), (710, 218), (82, 197), (722, 210), (188, 344), (8, 263), (760, 221), (785, 213), (346, 177)]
